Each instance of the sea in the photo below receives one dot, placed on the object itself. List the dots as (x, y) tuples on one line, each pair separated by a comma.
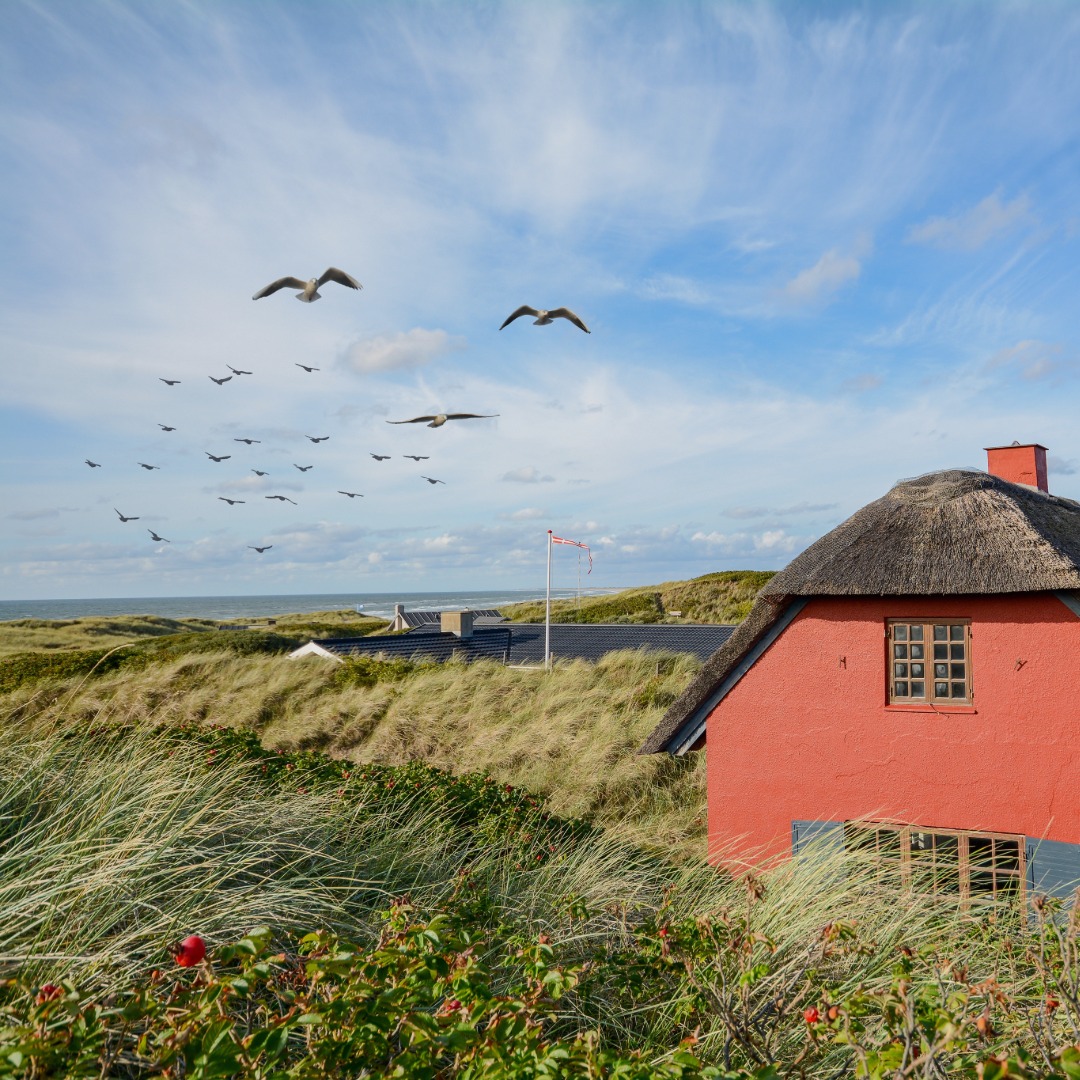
[(255, 607)]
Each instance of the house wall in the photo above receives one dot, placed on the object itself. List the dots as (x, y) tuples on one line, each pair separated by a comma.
[(806, 737)]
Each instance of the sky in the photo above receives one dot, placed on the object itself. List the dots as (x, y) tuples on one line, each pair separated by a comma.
[(819, 249)]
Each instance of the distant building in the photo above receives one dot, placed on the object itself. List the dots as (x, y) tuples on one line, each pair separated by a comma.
[(910, 683)]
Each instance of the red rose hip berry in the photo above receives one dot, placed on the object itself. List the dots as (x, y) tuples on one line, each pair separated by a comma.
[(191, 951)]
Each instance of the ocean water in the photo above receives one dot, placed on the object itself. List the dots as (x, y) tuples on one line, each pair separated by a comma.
[(238, 607)]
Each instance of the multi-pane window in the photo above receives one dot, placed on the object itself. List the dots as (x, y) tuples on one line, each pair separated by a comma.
[(929, 661), (968, 864)]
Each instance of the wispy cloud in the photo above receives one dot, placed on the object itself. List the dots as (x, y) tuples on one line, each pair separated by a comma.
[(762, 511), (859, 384), (399, 352), (971, 230), (836, 268), (528, 475), (1035, 360), (530, 513)]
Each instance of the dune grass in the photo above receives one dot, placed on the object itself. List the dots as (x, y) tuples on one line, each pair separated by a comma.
[(27, 635)]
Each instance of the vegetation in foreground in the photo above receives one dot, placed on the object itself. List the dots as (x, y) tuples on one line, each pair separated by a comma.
[(403, 922), (724, 597)]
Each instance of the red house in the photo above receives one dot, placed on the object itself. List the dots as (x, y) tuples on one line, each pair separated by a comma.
[(911, 683)]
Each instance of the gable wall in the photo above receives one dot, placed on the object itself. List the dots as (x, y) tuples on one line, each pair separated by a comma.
[(804, 738)]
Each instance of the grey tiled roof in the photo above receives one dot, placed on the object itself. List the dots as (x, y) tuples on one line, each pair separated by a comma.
[(434, 618), (489, 643)]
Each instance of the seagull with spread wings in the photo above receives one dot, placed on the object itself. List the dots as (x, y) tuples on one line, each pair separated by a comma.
[(148, 468), (158, 539), (280, 498), (321, 438), (440, 418), (257, 473), (260, 550), (237, 371), (418, 457), (309, 290), (309, 370), (545, 318), (303, 468), (93, 464), (381, 457), (231, 502), (122, 518), (248, 441), (166, 428), (224, 457), (430, 481), (351, 494), (169, 382), (220, 382)]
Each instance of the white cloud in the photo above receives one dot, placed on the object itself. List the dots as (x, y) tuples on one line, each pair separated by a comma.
[(970, 231), (33, 515), (528, 475), (861, 383), (832, 271), (530, 513), (1061, 466), (402, 351), (763, 511), (1035, 359), (253, 484)]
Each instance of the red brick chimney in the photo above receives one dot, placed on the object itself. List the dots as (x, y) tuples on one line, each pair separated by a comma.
[(1019, 464)]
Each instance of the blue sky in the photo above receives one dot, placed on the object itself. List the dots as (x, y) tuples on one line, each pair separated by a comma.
[(819, 249)]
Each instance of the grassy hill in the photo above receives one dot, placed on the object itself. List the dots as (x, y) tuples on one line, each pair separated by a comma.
[(724, 597)]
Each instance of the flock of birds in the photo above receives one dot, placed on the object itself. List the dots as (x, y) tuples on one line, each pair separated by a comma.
[(308, 293)]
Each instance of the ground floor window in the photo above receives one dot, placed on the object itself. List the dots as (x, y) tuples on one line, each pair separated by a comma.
[(969, 864)]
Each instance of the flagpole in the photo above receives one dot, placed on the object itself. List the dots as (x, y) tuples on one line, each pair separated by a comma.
[(547, 615)]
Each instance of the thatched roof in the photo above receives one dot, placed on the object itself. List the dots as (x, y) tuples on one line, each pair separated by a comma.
[(960, 532)]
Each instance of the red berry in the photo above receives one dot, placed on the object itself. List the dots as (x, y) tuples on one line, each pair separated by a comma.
[(811, 1015), (191, 952), (48, 992)]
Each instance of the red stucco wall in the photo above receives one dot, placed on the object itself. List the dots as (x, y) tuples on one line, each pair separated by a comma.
[(804, 738)]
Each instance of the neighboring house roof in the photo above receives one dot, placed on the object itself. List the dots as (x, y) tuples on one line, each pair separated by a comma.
[(490, 643), (959, 532), (428, 618)]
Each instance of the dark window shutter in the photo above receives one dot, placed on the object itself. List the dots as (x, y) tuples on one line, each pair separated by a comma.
[(1053, 867), (827, 834)]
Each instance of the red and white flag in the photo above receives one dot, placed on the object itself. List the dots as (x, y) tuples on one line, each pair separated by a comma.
[(574, 543)]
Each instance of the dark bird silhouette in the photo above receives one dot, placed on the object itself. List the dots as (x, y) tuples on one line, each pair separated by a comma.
[(231, 502), (148, 467), (260, 550), (303, 468), (280, 498), (220, 382), (309, 369), (169, 382), (122, 518), (440, 418), (257, 473), (164, 428), (417, 457), (430, 481), (381, 457), (224, 457), (351, 494), (321, 438), (544, 318), (158, 539), (92, 464), (309, 290), (237, 371), (248, 441)]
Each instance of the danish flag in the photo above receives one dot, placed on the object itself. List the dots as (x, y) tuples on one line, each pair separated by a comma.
[(574, 543)]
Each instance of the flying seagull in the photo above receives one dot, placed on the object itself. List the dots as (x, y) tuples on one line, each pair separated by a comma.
[(351, 494), (262, 549), (321, 438), (237, 371), (231, 502), (303, 468), (280, 498), (224, 457), (122, 518), (417, 457), (169, 382), (92, 464), (544, 318), (220, 382), (158, 539), (257, 473), (309, 370), (148, 468), (381, 457), (164, 428), (430, 481), (248, 441), (441, 418), (309, 290)]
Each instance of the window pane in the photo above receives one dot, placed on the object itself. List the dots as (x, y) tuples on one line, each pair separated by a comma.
[(957, 671), (941, 689), (918, 689), (941, 633), (900, 671), (899, 633), (956, 652), (980, 851), (956, 633), (920, 842), (1007, 854), (982, 881), (916, 633), (917, 671), (900, 689), (1008, 885), (899, 652), (916, 652), (941, 652), (941, 671), (959, 690)]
